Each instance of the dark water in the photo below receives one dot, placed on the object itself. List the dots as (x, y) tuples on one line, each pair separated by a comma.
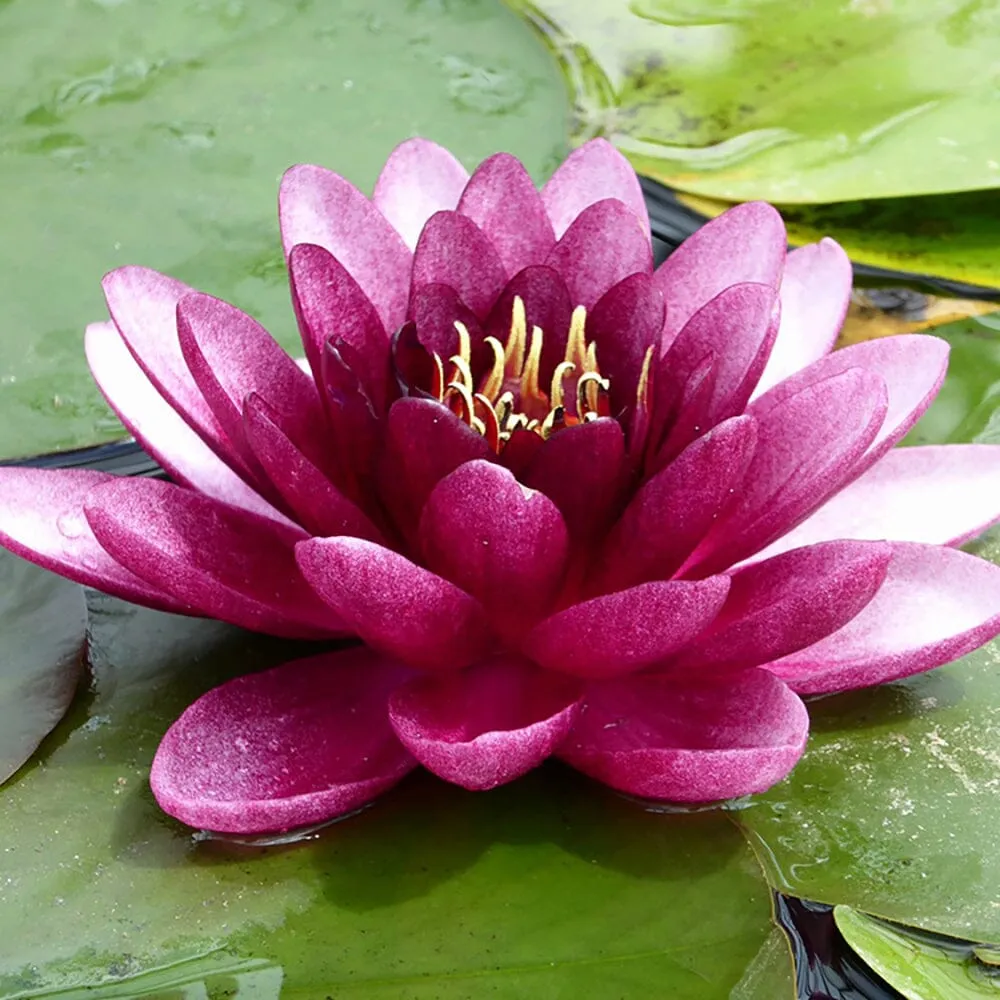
[(826, 967)]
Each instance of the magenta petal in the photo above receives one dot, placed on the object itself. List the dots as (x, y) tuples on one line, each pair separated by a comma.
[(605, 244), (808, 448), (912, 365), (395, 605), (626, 631), (936, 605), (224, 562), (582, 470), (520, 451), (42, 520), (329, 303), (689, 740), (435, 310), (689, 496), (486, 725), (143, 305), (160, 429), (319, 506), (815, 292), (231, 355), (424, 441), (502, 200), (502, 543), (419, 178), (321, 207), (288, 747), (676, 409), (938, 494), (739, 325), (624, 325), (592, 172), (745, 244), (784, 604), (454, 251), (352, 443)]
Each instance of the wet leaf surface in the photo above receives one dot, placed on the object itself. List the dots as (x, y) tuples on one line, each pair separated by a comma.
[(965, 409), (769, 974), (883, 312), (894, 808)]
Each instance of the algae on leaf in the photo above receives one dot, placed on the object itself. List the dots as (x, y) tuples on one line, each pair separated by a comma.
[(869, 99)]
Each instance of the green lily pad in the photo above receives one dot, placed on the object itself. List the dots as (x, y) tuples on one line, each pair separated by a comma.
[(951, 236), (920, 967), (869, 99), (155, 133), (894, 809), (771, 974), (552, 886), (965, 410), (43, 625)]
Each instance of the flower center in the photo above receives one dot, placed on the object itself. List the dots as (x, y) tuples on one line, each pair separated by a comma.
[(508, 396)]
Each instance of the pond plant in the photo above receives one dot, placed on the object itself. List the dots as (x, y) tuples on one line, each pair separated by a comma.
[(572, 505), (556, 615)]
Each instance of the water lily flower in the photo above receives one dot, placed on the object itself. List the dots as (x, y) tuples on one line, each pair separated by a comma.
[(572, 505)]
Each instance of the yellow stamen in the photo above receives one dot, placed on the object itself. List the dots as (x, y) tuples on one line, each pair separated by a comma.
[(494, 381), (555, 421), (576, 343), (464, 342), (505, 407), (462, 372), (563, 369), (491, 425), (510, 398), (437, 379), (459, 392), (588, 388), (514, 354), (529, 374), (642, 392)]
